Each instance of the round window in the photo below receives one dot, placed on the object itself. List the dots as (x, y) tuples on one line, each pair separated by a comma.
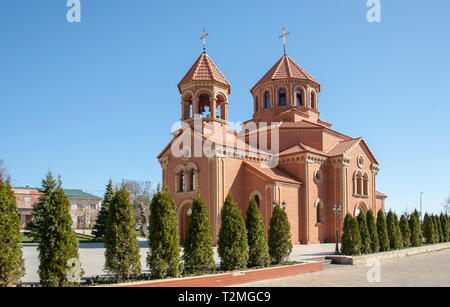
[(360, 161), (318, 176)]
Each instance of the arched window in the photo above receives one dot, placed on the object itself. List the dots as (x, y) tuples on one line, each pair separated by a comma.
[(181, 181), (282, 97), (299, 97), (358, 183), (258, 201), (204, 106), (319, 214), (256, 104), (192, 180), (313, 100), (267, 100), (365, 185)]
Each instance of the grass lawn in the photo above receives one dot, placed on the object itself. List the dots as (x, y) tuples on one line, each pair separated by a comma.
[(26, 239)]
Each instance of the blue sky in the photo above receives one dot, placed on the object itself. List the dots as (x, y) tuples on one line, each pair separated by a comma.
[(96, 100)]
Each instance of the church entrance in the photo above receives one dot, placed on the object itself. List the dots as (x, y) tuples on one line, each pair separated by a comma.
[(184, 219)]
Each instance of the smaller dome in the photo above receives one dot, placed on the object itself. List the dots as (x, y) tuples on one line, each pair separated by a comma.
[(286, 68), (204, 69)]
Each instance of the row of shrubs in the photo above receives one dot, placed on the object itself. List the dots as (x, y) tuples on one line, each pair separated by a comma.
[(365, 235), (241, 244)]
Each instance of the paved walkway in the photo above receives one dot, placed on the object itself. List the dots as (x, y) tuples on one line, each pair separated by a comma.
[(92, 257), (427, 270)]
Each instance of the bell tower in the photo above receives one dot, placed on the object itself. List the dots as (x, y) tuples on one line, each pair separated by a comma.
[(204, 92)]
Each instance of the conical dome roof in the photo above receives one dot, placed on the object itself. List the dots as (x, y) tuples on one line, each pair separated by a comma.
[(204, 69)]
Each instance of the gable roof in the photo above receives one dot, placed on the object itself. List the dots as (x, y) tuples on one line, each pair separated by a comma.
[(286, 68), (204, 69), (344, 147), (273, 174)]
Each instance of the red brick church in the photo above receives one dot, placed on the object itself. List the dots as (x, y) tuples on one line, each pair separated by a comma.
[(317, 167)]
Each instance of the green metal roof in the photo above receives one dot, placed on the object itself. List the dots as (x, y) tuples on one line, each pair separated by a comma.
[(71, 193)]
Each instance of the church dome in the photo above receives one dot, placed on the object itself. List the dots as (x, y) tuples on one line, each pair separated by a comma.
[(286, 84)]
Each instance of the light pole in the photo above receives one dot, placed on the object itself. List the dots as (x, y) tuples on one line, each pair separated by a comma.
[(421, 216), (337, 212)]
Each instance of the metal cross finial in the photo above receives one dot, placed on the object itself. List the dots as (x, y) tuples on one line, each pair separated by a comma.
[(283, 36), (203, 38)]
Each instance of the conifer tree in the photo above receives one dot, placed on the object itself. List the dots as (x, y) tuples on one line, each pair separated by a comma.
[(258, 248), (366, 244), (351, 238), (393, 231), (233, 242), (406, 231), (444, 226), (372, 227), (102, 218), (198, 251), (58, 244), (11, 258), (383, 232), (48, 187), (122, 257), (439, 229), (280, 243), (429, 229), (416, 230), (164, 258)]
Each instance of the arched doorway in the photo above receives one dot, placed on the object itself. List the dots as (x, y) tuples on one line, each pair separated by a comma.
[(184, 218)]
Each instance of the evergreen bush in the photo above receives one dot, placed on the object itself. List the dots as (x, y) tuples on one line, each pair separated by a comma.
[(258, 248), (164, 256), (351, 238), (366, 244), (406, 231), (11, 258), (280, 244), (198, 251), (383, 232), (372, 227), (99, 230), (122, 257)]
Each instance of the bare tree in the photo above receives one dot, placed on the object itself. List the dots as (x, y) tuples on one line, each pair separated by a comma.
[(3, 171), (141, 193), (446, 205)]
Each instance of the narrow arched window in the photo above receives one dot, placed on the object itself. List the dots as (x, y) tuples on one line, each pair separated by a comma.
[(299, 97), (358, 184), (313, 100), (365, 185), (256, 104), (181, 181), (282, 97), (319, 213), (192, 180), (267, 100), (257, 200)]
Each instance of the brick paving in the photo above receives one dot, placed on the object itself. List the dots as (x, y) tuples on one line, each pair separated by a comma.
[(427, 270)]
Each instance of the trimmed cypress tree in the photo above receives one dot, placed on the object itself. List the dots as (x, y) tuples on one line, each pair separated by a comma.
[(11, 258), (383, 232), (366, 244), (393, 231), (198, 252), (444, 226), (429, 229), (280, 244), (406, 231), (439, 228), (48, 187), (164, 258), (258, 248), (351, 238), (233, 243), (416, 230), (122, 257), (58, 243), (102, 218), (372, 227)]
